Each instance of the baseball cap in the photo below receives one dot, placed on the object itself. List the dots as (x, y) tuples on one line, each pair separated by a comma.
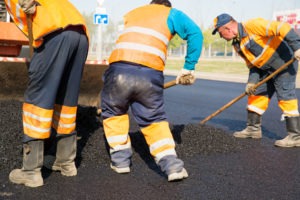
[(221, 20)]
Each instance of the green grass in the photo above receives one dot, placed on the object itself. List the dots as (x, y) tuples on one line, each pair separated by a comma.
[(212, 65)]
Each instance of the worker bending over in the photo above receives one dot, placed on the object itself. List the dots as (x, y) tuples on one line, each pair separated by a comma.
[(135, 80), (60, 49), (266, 46)]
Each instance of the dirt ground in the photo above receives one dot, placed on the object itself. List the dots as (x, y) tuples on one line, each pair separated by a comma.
[(219, 165)]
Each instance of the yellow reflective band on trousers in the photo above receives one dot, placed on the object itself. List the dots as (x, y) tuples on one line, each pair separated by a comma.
[(64, 119), (258, 104), (36, 121), (116, 131), (289, 107), (159, 139)]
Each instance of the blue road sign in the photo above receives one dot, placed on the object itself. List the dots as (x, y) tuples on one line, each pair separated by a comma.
[(100, 18)]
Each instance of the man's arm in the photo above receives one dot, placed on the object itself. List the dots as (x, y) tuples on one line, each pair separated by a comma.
[(179, 23)]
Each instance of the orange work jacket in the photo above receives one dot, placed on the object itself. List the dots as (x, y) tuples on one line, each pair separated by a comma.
[(49, 17), (145, 37), (259, 39)]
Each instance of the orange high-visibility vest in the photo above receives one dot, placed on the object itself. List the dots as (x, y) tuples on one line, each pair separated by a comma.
[(145, 37), (49, 17), (262, 40)]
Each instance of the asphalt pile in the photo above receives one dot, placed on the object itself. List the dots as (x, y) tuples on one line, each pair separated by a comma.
[(92, 149), (219, 165)]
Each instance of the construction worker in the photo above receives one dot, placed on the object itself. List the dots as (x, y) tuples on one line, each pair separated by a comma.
[(135, 80), (265, 46), (50, 103)]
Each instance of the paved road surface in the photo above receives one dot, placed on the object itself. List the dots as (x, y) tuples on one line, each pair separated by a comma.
[(219, 165), (206, 96)]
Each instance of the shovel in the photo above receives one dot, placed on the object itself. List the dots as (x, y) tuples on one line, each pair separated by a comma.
[(169, 84), (244, 94), (30, 34)]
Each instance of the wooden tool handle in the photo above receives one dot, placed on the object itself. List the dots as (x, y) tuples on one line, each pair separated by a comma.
[(169, 84), (244, 94)]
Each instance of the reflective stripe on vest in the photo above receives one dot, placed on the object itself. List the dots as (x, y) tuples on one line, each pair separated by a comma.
[(17, 14), (262, 40), (49, 17), (144, 41)]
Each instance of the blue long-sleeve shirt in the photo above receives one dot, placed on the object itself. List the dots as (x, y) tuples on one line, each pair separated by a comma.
[(179, 23)]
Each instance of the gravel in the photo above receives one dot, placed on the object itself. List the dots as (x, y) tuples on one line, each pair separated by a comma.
[(219, 165), (190, 139)]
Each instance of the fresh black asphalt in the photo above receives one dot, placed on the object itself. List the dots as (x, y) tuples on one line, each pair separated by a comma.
[(219, 165)]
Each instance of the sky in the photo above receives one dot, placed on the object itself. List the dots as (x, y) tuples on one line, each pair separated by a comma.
[(201, 11)]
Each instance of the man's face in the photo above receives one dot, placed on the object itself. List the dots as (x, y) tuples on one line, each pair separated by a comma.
[(226, 32)]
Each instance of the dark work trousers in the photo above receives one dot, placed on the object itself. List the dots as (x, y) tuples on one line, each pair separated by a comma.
[(284, 84), (56, 68), (133, 86)]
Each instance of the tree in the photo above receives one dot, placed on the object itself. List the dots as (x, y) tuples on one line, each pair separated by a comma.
[(89, 22), (109, 34), (214, 43), (175, 42)]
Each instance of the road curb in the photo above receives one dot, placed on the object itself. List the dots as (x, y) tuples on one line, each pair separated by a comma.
[(237, 78)]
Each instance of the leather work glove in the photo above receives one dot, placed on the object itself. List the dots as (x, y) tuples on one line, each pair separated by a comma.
[(297, 54), (185, 77), (249, 90), (28, 6)]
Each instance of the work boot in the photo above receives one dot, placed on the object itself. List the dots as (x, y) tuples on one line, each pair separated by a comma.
[(65, 156), (176, 176), (121, 160), (120, 170), (253, 129), (173, 168), (293, 129), (30, 175)]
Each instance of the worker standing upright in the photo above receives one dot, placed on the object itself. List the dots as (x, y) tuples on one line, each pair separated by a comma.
[(265, 46), (135, 80), (50, 104)]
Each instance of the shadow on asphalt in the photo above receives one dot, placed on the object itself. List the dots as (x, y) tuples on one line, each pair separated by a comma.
[(231, 126)]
